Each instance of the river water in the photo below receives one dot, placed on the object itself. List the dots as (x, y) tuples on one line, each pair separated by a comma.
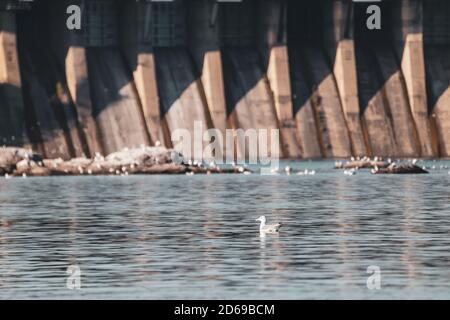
[(194, 237)]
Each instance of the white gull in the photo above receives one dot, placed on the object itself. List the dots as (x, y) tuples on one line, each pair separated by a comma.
[(268, 228)]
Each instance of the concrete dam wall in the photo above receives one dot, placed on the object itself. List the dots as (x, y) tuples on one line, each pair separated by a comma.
[(138, 70)]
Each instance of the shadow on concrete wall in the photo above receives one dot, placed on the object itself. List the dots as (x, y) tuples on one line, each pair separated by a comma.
[(437, 67), (321, 124), (243, 70), (175, 73), (245, 59), (305, 32), (180, 96), (12, 124), (369, 43), (50, 113), (383, 96), (436, 40), (437, 72), (243, 64)]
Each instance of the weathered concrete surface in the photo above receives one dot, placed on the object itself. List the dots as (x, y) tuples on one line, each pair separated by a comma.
[(330, 118), (57, 41), (376, 120), (78, 85), (46, 134), (47, 42), (339, 44), (182, 103), (135, 21), (146, 84), (409, 44), (438, 76), (305, 118), (50, 114), (275, 54), (391, 87), (413, 67), (314, 85), (436, 39), (278, 75), (249, 98), (65, 94), (12, 118), (249, 103), (397, 101), (67, 48), (345, 73), (204, 45), (212, 80), (115, 102)]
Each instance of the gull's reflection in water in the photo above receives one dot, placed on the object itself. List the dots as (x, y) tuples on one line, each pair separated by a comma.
[(271, 260), (412, 227), (262, 261), (262, 242)]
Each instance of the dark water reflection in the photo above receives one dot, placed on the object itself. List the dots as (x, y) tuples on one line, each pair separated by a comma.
[(195, 236)]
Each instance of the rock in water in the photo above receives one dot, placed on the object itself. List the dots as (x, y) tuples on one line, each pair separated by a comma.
[(402, 168), (11, 156)]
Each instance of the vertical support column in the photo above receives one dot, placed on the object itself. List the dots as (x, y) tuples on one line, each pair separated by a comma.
[(78, 85), (409, 45), (145, 80), (340, 48), (12, 130), (115, 102), (436, 37), (136, 44), (204, 44), (275, 55), (69, 46)]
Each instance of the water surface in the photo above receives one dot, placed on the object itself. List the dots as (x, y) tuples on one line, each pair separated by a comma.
[(194, 237)]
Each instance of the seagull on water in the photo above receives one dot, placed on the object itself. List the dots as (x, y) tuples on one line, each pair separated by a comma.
[(267, 228)]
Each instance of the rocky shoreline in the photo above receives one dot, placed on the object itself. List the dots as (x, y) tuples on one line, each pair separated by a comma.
[(145, 160)]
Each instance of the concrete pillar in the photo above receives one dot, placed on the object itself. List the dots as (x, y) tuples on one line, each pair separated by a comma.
[(116, 105), (409, 45), (46, 99), (378, 74), (136, 44), (78, 84), (204, 44), (12, 120), (396, 99), (441, 119), (436, 37), (339, 43), (70, 53), (376, 123), (250, 100), (275, 55), (183, 102), (438, 76)]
